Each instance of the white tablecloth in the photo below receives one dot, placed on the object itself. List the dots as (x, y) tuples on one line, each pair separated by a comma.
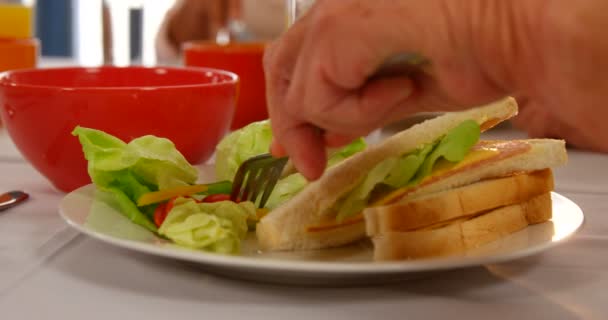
[(48, 271)]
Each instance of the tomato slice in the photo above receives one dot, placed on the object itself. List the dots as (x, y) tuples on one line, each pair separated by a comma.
[(217, 197), (162, 210), (160, 214)]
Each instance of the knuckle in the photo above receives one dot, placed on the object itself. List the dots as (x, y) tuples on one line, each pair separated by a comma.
[(270, 61), (268, 56), (325, 16), (347, 70), (345, 61)]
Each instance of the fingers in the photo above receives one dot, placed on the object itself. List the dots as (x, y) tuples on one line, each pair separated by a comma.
[(334, 140), (305, 146), (358, 112), (279, 61), (295, 137), (298, 107)]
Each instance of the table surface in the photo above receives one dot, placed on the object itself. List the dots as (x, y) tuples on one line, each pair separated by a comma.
[(49, 271)]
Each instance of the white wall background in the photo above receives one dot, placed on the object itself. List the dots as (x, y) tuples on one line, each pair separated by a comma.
[(88, 38)]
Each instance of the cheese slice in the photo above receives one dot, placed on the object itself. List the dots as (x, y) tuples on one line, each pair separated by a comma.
[(443, 168)]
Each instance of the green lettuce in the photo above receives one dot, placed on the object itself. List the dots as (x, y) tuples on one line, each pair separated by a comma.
[(411, 168), (338, 155), (405, 170), (453, 147), (128, 170), (285, 189), (218, 227), (357, 199), (240, 145)]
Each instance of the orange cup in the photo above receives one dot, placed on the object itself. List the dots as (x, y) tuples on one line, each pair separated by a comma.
[(244, 59), (18, 53)]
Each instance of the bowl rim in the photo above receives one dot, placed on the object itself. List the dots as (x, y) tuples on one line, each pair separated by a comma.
[(233, 78)]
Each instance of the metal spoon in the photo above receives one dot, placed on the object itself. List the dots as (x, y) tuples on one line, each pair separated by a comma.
[(11, 199)]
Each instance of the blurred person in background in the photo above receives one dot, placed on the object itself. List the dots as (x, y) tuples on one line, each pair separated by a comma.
[(190, 20)]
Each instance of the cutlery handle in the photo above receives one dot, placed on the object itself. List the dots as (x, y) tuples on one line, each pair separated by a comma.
[(11, 199), (403, 64)]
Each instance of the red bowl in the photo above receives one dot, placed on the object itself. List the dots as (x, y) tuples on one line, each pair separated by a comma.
[(244, 59), (192, 107)]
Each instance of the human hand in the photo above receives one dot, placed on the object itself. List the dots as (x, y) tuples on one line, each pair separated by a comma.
[(320, 94)]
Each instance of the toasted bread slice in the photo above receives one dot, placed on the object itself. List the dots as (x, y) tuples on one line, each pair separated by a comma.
[(463, 234), (423, 211), (285, 227)]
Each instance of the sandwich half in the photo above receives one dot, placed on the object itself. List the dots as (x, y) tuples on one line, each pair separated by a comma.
[(372, 193), (459, 219)]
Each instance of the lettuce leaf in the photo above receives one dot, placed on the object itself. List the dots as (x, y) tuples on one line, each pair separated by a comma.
[(341, 154), (217, 227), (411, 168), (240, 145), (128, 170), (356, 200), (453, 147), (405, 170), (285, 189)]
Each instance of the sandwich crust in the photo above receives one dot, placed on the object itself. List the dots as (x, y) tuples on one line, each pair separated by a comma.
[(464, 234), (430, 209)]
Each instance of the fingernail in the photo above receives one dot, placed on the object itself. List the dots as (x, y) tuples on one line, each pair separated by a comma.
[(312, 172)]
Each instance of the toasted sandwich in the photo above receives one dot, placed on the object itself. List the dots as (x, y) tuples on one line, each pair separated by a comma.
[(428, 190)]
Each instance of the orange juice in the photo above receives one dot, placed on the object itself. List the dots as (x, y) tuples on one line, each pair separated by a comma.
[(18, 53)]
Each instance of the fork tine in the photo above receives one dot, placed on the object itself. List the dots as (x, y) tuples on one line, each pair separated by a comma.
[(261, 180), (254, 178), (237, 183), (271, 181), (241, 174), (258, 186)]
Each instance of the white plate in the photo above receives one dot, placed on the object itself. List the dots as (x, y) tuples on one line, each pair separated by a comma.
[(350, 265)]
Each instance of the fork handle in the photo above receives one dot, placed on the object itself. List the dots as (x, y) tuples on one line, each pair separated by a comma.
[(407, 63)]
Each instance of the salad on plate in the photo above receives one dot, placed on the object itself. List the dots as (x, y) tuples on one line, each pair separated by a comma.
[(155, 187)]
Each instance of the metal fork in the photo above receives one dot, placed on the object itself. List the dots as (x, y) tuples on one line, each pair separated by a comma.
[(256, 178)]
